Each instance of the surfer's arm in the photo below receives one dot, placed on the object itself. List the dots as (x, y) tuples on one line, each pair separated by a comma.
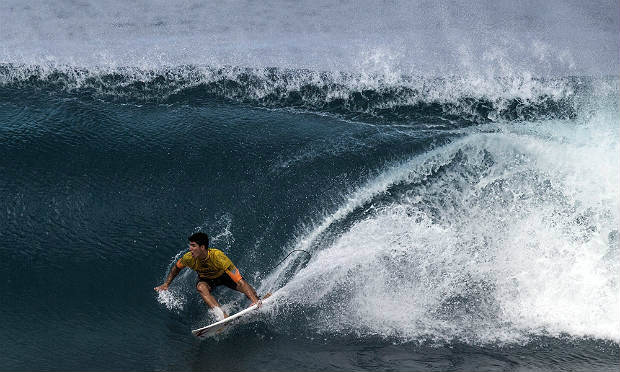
[(173, 273)]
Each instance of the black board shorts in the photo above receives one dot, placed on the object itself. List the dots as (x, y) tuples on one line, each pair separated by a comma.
[(223, 279)]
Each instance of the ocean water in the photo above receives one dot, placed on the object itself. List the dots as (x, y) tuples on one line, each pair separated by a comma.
[(452, 170)]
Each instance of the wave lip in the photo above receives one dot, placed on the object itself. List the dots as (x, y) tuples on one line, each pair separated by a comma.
[(369, 97)]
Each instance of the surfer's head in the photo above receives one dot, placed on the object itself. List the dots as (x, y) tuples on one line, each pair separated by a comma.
[(198, 245), (199, 238)]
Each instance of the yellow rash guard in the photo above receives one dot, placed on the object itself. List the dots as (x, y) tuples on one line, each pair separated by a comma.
[(211, 267)]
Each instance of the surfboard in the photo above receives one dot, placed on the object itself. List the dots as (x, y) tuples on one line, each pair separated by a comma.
[(219, 327)]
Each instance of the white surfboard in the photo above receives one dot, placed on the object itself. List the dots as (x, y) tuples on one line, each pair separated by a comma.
[(219, 327)]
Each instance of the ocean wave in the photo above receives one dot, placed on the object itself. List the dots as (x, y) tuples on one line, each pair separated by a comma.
[(495, 237), (357, 96)]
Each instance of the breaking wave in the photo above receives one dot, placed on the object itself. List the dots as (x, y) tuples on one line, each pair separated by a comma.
[(495, 237), (449, 101)]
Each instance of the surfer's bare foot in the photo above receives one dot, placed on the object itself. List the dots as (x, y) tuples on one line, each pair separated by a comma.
[(219, 313)]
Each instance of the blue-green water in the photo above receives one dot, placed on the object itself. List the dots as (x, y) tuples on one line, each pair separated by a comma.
[(452, 170), (438, 241)]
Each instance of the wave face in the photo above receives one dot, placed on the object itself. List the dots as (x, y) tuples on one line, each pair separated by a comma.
[(451, 170), (437, 211)]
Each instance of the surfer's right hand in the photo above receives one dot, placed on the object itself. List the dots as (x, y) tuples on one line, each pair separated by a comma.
[(160, 288)]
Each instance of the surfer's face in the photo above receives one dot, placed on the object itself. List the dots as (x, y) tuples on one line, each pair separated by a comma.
[(197, 250)]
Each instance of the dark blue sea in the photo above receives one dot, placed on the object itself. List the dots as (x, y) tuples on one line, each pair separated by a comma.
[(452, 174)]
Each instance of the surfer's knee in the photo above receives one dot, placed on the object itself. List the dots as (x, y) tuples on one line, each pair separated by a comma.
[(203, 287)]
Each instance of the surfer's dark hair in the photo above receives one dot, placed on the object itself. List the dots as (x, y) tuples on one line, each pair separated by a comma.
[(200, 238)]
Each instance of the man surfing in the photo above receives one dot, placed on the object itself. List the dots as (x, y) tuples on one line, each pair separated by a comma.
[(214, 269)]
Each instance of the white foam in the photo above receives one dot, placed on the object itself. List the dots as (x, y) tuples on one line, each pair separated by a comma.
[(501, 236), (218, 313), (173, 300)]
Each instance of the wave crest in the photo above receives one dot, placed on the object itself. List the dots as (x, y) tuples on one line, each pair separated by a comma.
[(355, 96)]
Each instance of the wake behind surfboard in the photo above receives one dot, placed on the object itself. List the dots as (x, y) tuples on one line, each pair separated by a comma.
[(219, 327)]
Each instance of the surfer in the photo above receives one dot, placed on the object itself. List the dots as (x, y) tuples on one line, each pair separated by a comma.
[(214, 268)]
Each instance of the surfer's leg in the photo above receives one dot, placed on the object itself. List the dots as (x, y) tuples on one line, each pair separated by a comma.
[(205, 292)]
